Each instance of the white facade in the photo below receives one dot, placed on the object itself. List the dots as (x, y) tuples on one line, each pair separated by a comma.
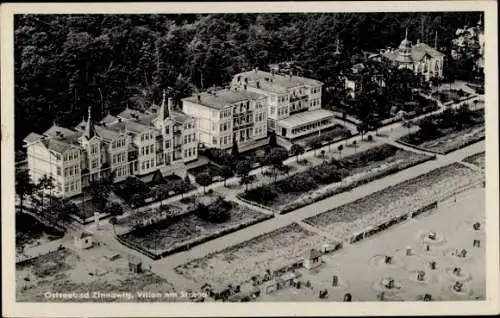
[(132, 143), (227, 115), (287, 96), (419, 58)]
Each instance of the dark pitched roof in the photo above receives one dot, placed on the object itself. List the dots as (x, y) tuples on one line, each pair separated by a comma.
[(32, 137), (109, 119), (83, 235), (55, 130), (222, 98), (57, 145)]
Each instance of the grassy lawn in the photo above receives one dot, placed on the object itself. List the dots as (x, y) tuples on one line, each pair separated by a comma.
[(65, 271), (178, 232), (237, 264), (447, 95), (30, 232), (299, 189), (448, 131), (477, 159), (87, 209), (334, 133), (408, 196), (136, 192), (213, 170)]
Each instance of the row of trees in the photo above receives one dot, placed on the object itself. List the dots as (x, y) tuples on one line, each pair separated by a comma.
[(64, 63), (44, 204)]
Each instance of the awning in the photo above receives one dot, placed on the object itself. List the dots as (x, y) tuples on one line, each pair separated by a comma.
[(305, 118)]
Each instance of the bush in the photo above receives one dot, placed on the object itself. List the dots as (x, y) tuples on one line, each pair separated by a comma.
[(262, 194), (114, 208), (369, 138), (324, 174), (216, 212), (298, 183)]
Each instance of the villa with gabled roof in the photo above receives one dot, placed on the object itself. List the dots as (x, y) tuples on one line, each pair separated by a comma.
[(129, 143), (421, 58)]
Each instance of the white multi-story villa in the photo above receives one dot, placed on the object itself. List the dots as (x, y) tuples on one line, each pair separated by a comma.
[(293, 102), (421, 58), (131, 143), (227, 116)]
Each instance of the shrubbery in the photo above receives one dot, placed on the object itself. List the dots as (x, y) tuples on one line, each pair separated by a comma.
[(326, 173), (264, 194), (298, 183), (216, 212)]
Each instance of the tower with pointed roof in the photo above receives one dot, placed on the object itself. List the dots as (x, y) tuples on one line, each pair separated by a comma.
[(89, 128)]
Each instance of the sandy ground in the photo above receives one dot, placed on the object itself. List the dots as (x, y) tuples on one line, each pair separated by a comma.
[(361, 267)]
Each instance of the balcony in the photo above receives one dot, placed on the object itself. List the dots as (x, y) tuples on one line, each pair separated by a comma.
[(300, 110), (298, 98)]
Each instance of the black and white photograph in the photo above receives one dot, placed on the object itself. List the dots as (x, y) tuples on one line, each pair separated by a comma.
[(286, 156)]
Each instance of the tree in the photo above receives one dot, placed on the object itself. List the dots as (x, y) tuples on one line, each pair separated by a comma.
[(275, 158), (204, 179), (297, 150), (67, 209), (100, 194), (114, 208), (272, 140), (24, 186), (354, 143), (363, 129), (315, 143), (243, 169), (45, 183), (113, 220), (234, 150), (226, 173), (182, 186), (340, 148)]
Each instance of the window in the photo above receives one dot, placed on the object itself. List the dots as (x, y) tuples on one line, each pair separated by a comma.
[(76, 169), (167, 144), (147, 150), (66, 188), (152, 148), (58, 171), (59, 187), (214, 140), (65, 172), (114, 159), (94, 163), (147, 164), (142, 165)]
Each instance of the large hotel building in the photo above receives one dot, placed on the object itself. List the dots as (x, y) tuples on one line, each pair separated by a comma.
[(293, 102), (130, 143)]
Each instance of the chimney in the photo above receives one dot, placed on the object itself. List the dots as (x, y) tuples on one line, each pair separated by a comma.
[(244, 87), (198, 96), (258, 84), (170, 104)]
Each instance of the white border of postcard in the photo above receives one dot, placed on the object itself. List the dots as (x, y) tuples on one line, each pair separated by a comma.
[(12, 309)]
